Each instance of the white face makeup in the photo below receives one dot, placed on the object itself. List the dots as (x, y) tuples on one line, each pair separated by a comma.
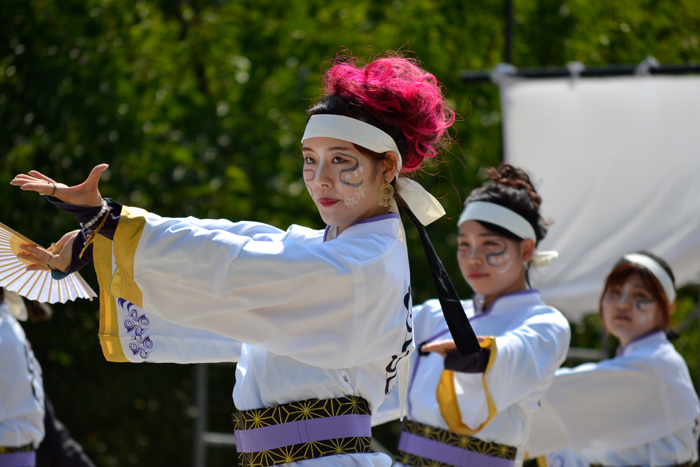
[(341, 180), (490, 263), (630, 311)]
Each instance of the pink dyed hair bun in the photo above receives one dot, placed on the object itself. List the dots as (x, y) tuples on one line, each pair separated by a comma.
[(398, 94)]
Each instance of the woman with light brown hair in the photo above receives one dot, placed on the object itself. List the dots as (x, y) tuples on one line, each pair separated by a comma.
[(636, 409)]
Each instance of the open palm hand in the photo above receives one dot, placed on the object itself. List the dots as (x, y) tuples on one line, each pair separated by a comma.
[(83, 194)]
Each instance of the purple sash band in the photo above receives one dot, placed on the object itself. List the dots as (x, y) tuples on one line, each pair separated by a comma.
[(302, 431), (18, 459), (434, 450)]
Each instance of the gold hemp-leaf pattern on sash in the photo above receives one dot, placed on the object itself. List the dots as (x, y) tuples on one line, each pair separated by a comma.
[(466, 442), (302, 410)]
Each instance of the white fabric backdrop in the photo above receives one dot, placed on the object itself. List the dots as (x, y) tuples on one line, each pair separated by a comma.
[(617, 161)]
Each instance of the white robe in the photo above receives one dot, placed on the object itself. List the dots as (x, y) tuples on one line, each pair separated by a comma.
[(639, 408), (532, 340), (305, 316), (21, 387)]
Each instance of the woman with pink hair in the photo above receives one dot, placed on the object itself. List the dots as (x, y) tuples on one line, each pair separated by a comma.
[(318, 320)]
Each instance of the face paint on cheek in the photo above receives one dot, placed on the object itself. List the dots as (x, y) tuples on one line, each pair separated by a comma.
[(353, 172), (351, 201), (644, 306), (506, 267), (309, 175), (500, 259)]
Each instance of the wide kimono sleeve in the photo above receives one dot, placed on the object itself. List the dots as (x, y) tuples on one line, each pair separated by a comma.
[(613, 405), (255, 230), (318, 303), (522, 363), (130, 334)]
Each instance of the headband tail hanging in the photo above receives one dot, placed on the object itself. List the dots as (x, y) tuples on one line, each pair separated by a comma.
[(457, 321)]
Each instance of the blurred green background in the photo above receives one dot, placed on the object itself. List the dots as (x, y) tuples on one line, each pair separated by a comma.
[(198, 107)]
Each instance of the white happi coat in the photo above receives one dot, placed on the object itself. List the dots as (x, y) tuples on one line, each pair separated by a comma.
[(21, 388), (305, 315), (531, 342), (639, 408)]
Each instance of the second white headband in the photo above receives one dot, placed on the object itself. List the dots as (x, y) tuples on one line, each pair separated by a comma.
[(498, 215), (509, 220)]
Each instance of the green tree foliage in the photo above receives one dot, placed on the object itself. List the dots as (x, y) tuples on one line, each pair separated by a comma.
[(198, 107)]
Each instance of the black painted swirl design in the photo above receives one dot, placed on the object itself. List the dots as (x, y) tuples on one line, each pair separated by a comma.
[(350, 170)]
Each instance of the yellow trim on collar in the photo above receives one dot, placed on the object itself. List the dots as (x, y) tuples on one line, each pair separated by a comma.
[(542, 461), (126, 240), (447, 397), (109, 328)]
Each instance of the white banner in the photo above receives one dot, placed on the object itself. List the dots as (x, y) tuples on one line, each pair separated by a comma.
[(617, 161)]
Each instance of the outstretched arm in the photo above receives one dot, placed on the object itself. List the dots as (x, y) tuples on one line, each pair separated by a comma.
[(83, 194)]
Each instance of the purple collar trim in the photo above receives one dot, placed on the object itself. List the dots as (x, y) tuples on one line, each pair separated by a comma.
[(391, 215), (637, 340), (504, 296)]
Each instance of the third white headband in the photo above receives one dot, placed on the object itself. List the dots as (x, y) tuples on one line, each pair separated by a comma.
[(657, 270)]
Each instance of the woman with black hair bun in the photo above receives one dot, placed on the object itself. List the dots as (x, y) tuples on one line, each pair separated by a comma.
[(638, 408), (476, 410)]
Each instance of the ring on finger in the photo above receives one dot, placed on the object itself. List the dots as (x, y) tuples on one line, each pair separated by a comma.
[(52, 191)]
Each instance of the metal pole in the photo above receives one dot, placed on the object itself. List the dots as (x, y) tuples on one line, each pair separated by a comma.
[(510, 23), (201, 386)]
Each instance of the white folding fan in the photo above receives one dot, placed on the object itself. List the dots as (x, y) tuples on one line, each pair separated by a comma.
[(35, 285)]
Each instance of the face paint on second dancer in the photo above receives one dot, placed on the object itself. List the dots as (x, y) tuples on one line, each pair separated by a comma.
[(488, 261), (629, 310)]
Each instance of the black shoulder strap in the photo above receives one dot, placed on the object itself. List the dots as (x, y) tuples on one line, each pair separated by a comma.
[(452, 309)]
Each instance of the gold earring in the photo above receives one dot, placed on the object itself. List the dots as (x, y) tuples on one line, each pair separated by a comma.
[(386, 192)]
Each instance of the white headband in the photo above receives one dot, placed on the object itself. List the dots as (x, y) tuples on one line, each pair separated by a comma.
[(509, 220), (657, 270), (498, 215), (425, 207)]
